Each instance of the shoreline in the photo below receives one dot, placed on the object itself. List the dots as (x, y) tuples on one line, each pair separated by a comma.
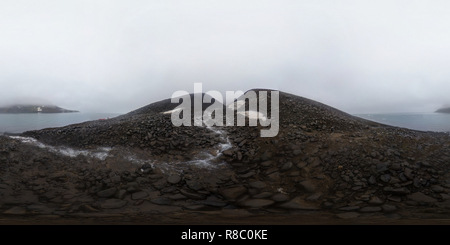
[(324, 166)]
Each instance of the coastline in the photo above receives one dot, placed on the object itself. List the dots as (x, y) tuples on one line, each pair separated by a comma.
[(324, 167)]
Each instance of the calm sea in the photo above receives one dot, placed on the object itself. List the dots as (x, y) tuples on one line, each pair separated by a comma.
[(19, 123), (437, 122)]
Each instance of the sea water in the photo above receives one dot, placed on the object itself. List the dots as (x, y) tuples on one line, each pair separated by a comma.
[(424, 121), (19, 123)]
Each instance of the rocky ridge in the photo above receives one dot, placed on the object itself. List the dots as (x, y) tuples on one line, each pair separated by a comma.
[(322, 160)]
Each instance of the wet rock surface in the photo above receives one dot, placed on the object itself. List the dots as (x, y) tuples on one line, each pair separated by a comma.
[(322, 160)]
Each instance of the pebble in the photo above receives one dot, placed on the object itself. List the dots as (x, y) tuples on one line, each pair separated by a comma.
[(192, 195), (314, 197), (300, 204), (233, 192), (370, 209), (279, 197), (308, 186), (161, 201), (256, 203), (387, 208), (437, 189), (113, 203), (420, 197), (139, 195), (286, 166), (16, 211), (107, 193), (262, 195), (257, 184), (375, 201), (349, 208)]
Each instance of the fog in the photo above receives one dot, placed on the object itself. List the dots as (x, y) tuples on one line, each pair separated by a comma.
[(117, 56)]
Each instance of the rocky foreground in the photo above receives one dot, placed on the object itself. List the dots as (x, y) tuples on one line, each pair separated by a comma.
[(324, 166)]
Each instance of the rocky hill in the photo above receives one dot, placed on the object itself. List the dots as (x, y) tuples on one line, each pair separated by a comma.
[(322, 160), (34, 109)]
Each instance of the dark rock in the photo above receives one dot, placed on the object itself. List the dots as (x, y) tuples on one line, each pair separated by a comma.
[(107, 193), (397, 191), (375, 201), (257, 184), (139, 195), (248, 174), (213, 202), (195, 207), (57, 176), (16, 211), (286, 166), (396, 167), (192, 195), (314, 197), (40, 208), (121, 194), (169, 189), (133, 189), (161, 201), (116, 179), (262, 195), (87, 208), (349, 208), (372, 180), (408, 173), (279, 197), (381, 167), (256, 203), (80, 186), (370, 209), (142, 180), (437, 189), (113, 204), (307, 186), (178, 197), (233, 192), (345, 178), (297, 152), (194, 185), (174, 179), (301, 165), (387, 208), (420, 197), (385, 178), (300, 204), (266, 163)]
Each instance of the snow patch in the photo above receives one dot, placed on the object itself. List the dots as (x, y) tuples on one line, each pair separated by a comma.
[(100, 153), (171, 111), (253, 115)]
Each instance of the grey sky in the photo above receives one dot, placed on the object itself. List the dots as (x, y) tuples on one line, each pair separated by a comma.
[(116, 56)]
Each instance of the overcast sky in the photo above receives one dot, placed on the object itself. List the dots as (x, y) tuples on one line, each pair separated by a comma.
[(116, 56)]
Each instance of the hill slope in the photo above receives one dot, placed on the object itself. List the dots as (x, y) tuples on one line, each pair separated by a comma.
[(321, 159)]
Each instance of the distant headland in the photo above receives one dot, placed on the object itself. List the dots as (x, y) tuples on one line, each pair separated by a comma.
[(443, 110), (34, 109)]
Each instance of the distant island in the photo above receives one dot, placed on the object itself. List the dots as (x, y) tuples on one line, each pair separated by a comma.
[(444, 110), (34, 109)]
